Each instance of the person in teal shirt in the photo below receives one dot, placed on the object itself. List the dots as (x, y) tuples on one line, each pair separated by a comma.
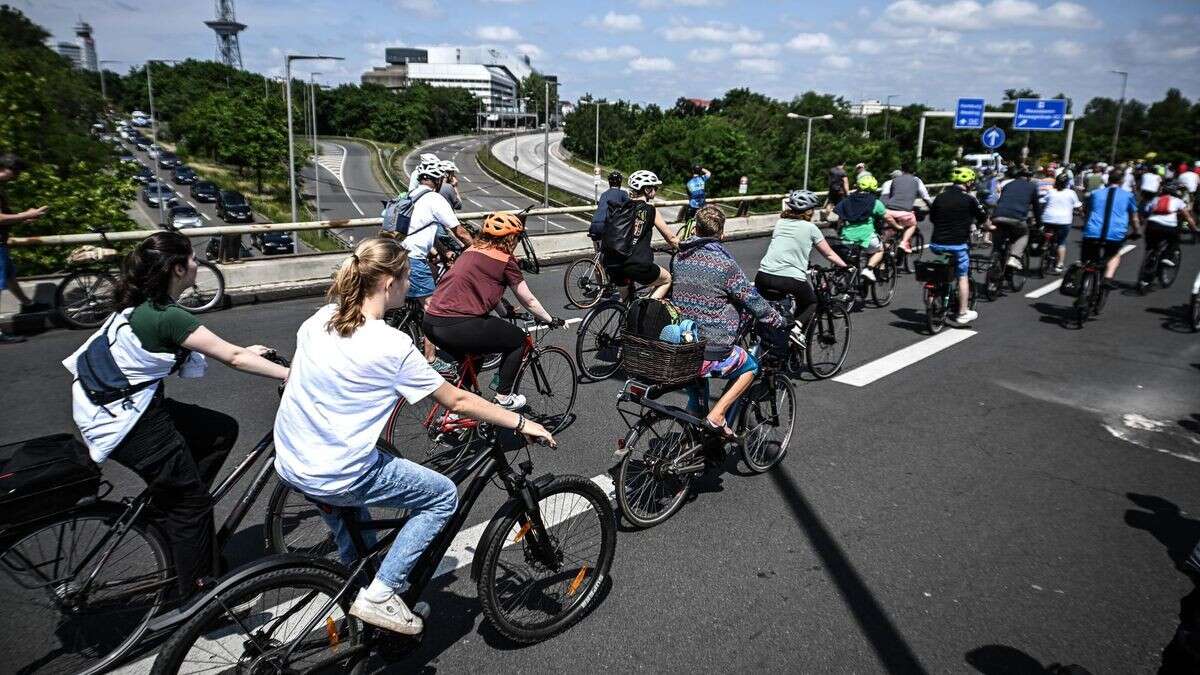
[(861, 212)]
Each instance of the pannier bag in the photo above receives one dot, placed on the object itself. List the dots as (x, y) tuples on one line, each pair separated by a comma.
[(931, 271), (43, 476), (1072, 280)]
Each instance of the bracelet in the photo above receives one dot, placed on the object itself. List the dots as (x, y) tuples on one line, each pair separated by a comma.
[(520, 422)]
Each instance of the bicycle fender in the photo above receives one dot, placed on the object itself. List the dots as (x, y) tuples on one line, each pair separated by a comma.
[(504, 511)]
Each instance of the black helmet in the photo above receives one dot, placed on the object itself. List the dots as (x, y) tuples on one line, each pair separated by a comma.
[(697, 169), (1174, 188), (1062, 181), (615, 178)]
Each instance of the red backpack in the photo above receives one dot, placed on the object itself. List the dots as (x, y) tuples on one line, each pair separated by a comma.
[(1162, 206)]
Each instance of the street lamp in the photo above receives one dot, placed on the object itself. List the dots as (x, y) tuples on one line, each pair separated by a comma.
[(546, 160), (103, 88), (312, 96), (287, 86), (887, 110), (154, 134), (807, 138), (1112, 157)]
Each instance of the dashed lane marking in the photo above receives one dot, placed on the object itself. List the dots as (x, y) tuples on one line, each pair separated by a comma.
[(898, 360)]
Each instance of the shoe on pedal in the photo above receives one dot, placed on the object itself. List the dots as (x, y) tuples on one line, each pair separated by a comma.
[(966, 317), (868, 274), (510, 401), (1014, 262), (391, 614), (796, 335), (444, 368), (1058, 269), (10, 339), (1166, 262)]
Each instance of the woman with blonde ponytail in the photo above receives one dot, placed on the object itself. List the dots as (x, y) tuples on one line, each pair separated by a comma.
[(349, 367)]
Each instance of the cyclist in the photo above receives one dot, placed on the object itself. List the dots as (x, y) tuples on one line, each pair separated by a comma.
[(899, 194), (952, 213), (348, 369), (176, 448), (414, 179), (711, 290), (858, 214), (613, 195), (639, 265), (839, 184), (784, 267), (449, 189), (458, 318), (695, 188), (1149, 183), (1058, 212), (1161, 217), (1190, 181), (1111, 212), (1017, 199)]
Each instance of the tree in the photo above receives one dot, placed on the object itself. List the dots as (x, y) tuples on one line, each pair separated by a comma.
[(534, 87)]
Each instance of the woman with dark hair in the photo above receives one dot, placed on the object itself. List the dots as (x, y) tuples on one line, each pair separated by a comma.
[(123, 412)]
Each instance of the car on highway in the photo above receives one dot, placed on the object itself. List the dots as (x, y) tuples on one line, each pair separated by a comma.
[(204, 191), (154, 150), (232, 207), (184, 216), (273, 243), (127, 157), (168, 160), (184, 175), (154, 191), (143, 175), (142, 143)]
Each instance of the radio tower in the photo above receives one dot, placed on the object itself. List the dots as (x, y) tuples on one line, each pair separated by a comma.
[(227, 28)]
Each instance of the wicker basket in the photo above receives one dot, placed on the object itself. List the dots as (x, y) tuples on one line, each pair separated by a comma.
[(660, 362)]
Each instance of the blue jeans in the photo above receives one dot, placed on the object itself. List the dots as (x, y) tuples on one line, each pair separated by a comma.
[(396, 483)]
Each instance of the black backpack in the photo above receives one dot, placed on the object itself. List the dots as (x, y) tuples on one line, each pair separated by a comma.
[(624, 224)]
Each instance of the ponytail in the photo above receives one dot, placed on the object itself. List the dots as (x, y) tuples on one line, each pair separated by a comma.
[(358, 275), (147, 270)]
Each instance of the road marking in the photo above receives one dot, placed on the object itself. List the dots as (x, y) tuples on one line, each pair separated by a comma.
[(338, 176), (508, 204), (1054, 285), (884, 366)]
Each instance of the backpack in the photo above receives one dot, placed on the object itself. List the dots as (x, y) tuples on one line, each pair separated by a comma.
[(856, 208), (648, 317), (623, 225), (397, 213), (1162, 206), (43, 476)]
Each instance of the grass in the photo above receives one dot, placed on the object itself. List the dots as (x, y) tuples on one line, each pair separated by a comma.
[(521, 182)]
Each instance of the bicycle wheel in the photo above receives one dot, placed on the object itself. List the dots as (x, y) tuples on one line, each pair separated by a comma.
[(1195, 313), (917, 241), (828, 341), (1083, 302), (207, 292), (598, 343), (406, 428), (767, 421), (884, 288), (935, 311), (85, 298), (294, 524), (529, 596), (584, 283), (270, 623), (56, 627), (1016, 278), (548, 382), (1168, 273), (1049, 260), (650, 485), (993, 279)]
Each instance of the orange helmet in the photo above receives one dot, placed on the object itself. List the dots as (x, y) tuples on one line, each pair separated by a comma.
[(502, 224)]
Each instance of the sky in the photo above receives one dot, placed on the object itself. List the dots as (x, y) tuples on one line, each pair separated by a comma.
[(654, 51)]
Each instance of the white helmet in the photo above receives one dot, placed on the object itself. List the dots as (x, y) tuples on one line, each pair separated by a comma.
[(428, 158), (432, 170), (642, 179), (448, 166)]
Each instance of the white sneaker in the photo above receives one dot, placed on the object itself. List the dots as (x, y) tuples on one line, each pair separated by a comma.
[(511, 401), (966, 317), (1166, 262), (1014, 262), (391, 614), (868, 274)]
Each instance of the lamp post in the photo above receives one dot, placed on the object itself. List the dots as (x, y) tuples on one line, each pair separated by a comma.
[(312, 97), (154, 134), (103, 87), (597, 164), (1112, 157), (546, 160), (887, 110), (807, 138), (287, 87)]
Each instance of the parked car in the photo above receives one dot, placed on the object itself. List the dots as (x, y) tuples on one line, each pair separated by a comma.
[(127, 156), (212, 251), (184, 175), (232, 207), (168, 160), (273, 243), (154, 150), (154, 191), (204, 191), (184, 216), (142, 143), (143, 176)]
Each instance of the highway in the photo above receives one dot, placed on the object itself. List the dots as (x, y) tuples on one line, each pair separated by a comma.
[(1012, 496), (530, 159)]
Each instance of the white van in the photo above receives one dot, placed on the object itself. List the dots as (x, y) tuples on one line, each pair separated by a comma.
[(980, 161)]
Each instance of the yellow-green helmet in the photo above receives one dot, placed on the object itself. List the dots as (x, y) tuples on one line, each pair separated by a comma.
[(962, 175), (866, 182)]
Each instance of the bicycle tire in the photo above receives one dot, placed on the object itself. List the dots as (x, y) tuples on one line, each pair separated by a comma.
[(116, 625), (549, 396), (598, 341), (1011, 276), (756, 447), (1195, 313), (935, 311), (173, 657), (85, 298), (823, 329), (670, 446), (1049, 260), (917, 242), (207, 292), (584, 282), (1083, 302), (294, 524), (582, 583), (884, 288), (1168, 273)]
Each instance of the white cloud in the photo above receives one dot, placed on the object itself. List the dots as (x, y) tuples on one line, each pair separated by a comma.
[(652, 64), (497, 33), (615, 22), (752, 50), (661, 4), (811, 42), (707, 55), (426, 8), (531, 50), (1007, 47), (1067, 49), (868, 46), (837, 61), (712, 31), (761, 66), (605, 53), (1182, 53), (975, 15)]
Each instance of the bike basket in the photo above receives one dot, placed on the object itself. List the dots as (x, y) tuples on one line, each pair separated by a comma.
[(43, 476), (931, 271), (660, 362), (1072, 280), (86, 255)]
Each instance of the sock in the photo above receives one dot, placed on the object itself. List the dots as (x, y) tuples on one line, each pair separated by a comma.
[(378, 591)]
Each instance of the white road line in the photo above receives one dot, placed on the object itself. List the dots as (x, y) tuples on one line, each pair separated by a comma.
[(342, 182), (1054, 285), (884, 366), (508, 204)]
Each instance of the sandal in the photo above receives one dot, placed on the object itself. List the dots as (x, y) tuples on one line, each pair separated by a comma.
[(721, 430)]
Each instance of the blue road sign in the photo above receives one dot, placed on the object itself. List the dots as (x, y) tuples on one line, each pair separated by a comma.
[(1040, 114), (968, 113), (992, 138)]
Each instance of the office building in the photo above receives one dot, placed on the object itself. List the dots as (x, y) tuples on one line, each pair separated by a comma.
[(87, 46), (70, 51)]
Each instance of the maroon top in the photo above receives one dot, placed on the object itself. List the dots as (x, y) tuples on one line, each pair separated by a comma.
[(474, 284)]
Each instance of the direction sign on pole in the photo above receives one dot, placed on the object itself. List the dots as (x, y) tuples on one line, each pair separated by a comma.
[(968, 113), (992, 138), (1040, 114)]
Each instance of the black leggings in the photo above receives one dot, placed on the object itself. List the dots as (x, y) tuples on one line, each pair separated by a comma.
[(1156, 234), (479, 335), (774, 287), (178, 450)]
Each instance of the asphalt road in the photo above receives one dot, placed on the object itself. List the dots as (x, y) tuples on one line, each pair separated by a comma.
[(480, 192), (348, 188), (530, 151), (1020, 498)]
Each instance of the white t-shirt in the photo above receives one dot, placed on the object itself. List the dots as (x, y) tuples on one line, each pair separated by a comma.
[(1127, 181), (338, 398), (1150, 182), (1190, 180), (431, 208), (1060, 206), (1174, 205)]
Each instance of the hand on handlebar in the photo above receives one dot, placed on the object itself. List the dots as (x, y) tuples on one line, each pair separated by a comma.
[(553, 323), (536, 433)]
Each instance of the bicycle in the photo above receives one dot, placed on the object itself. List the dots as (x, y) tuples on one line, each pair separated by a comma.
[(998, 274), (827, 333), (941, 290), (539, 567), (903, 258), (1194, 306), (1161, 264), (1049, 251), (598, 339), (854, 287), (665, 448), (92, 582), (1092, 292)]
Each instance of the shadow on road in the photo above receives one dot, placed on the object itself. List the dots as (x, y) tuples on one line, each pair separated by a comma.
[(1176, 319), (1062, 315), (909, 319), (1005, 660), (890, 646)]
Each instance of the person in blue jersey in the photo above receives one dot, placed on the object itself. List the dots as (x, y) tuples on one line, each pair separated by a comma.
[(1111, 215), (696, 187)]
